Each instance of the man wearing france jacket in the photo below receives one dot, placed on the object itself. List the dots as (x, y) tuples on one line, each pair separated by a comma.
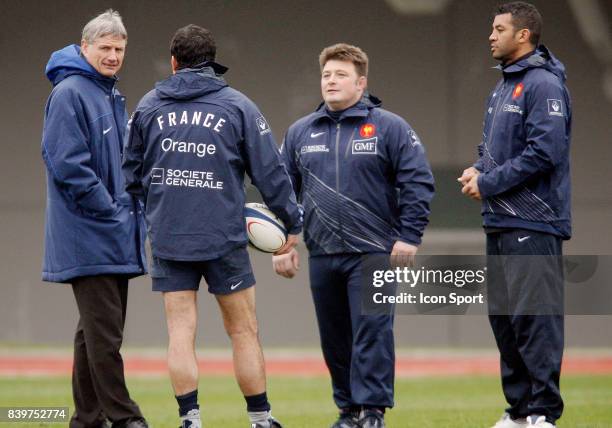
[(94, 230), (191, 141), (365, 184), (523, 179)]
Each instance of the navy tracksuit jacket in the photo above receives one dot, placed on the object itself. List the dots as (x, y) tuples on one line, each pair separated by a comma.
[(524, 154), (364, 183), (92, 226), (363, 180), (191, 140)]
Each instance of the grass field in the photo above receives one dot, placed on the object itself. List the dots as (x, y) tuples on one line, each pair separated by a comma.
[(450, 402)]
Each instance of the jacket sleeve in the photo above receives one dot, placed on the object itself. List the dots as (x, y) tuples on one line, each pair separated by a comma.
[(65, 150), (264, 167), (414, 180), (133, 154), (288, 157), (547, 141)]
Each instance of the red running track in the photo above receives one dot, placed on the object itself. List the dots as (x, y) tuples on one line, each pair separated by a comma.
[(299, 366)]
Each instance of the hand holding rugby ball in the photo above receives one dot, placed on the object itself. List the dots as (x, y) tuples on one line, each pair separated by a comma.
[(266, 231)]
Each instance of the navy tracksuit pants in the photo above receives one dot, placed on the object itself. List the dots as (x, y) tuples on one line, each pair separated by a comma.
[(359, 350), (526, 315)]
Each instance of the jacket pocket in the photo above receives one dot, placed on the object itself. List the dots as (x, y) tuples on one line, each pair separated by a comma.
[(107, 240)]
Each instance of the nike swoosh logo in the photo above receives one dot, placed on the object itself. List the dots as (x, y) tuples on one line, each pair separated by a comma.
[(523, 238), (233, 287), (315, 135), (106, 131)]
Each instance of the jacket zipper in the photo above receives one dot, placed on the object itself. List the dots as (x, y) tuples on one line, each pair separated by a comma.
[(501, 93), (135, 208), (490, 136), (338, 179), (112, 100)]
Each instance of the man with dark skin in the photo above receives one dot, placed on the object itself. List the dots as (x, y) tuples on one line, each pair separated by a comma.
[(523, 180)]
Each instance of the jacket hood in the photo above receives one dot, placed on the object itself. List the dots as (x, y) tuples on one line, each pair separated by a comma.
[(541, 57), (69, 61), (370, 100), (191, 83)]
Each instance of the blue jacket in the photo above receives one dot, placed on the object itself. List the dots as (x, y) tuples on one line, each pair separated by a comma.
[(191, 140), (92, 225), (363, 180), (524, 154)]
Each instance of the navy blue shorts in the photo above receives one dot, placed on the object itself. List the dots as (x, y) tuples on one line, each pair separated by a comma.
[(229, 273)]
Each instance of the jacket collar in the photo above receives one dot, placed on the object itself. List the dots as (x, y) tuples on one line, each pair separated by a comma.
[(535, 58), (208, 69), (189, 83), (361, 109)]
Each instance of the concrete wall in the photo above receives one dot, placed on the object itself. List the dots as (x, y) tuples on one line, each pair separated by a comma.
[(435, 70)]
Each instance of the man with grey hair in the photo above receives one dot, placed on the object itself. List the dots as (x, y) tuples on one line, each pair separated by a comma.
[(94, 232)]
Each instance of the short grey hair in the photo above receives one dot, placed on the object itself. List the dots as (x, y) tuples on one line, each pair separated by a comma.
[(105, 24)]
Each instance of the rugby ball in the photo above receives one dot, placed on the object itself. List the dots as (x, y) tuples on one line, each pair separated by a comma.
[(266, 231)]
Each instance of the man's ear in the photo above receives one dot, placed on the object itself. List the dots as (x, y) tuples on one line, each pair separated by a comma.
[(524, 35), (84, 46), (362, 82), (174, 64)]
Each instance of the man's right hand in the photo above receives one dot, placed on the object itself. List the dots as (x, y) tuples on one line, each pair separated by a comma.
[(287, 265), (467, 175)]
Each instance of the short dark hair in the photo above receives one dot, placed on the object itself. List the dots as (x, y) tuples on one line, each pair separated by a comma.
[(192, 45), (346, 52), (524, 15)]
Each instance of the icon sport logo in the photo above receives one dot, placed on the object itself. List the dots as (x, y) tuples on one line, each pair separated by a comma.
[(367, 130), (518, 90)]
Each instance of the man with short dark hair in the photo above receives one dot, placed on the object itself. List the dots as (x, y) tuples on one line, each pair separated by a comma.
[(94, 230), (363, 178), (523, 179), (191, 141)]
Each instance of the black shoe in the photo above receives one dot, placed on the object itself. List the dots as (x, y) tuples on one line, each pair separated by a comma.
[(372, 418), (131, 423), (270, 423), (347, 420)]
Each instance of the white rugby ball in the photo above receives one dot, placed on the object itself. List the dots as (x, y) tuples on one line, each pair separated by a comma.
[(266, 231)]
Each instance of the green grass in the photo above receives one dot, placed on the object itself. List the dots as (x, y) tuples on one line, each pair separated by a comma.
[(451, 402)]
